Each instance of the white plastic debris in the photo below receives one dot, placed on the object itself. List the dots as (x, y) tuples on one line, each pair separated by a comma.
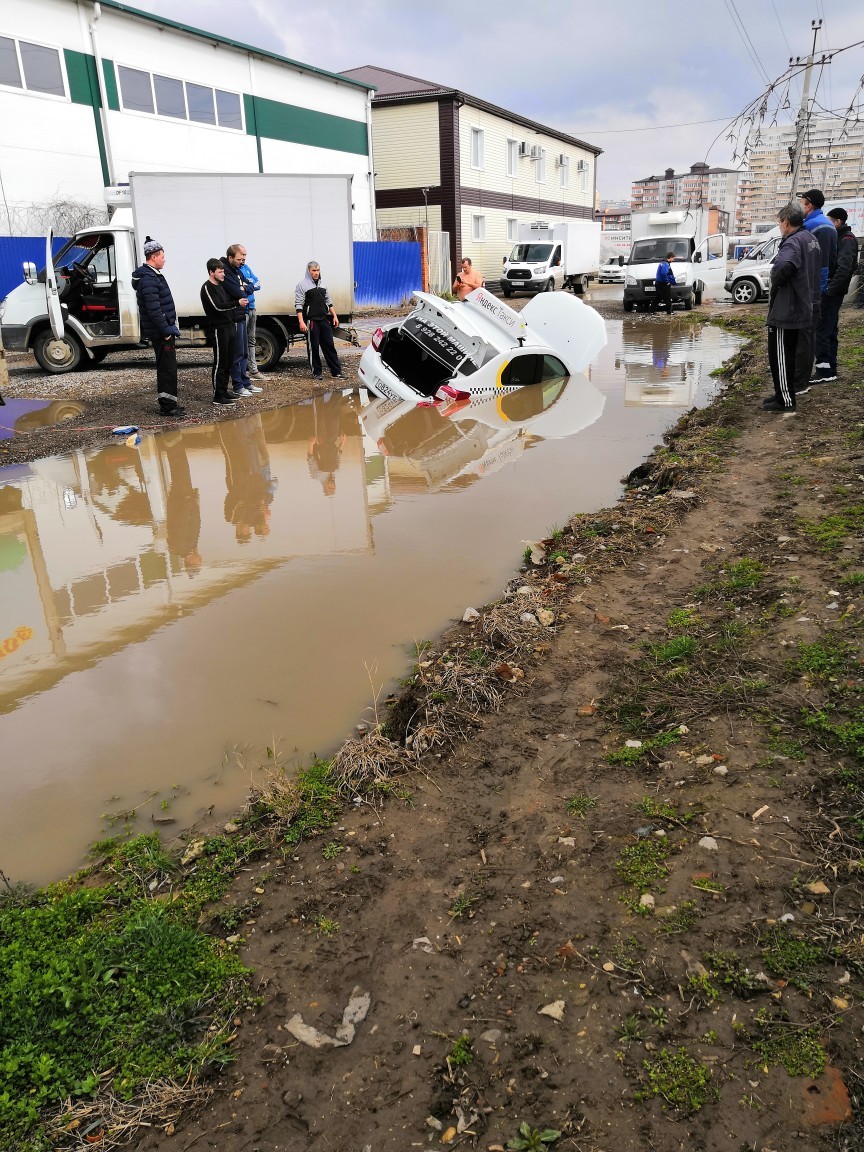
[(708, 843), (470, 615), (354, 1014)]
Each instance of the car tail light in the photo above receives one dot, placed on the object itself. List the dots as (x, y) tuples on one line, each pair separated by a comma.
[(448, 392), (378, 338)]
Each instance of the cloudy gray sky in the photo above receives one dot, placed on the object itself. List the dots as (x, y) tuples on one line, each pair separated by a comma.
[(638, 80)]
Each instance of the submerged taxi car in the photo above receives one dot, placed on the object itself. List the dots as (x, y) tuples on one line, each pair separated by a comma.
[(442, 351)]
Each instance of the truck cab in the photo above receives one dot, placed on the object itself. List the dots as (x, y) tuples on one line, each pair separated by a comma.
[(533, 266), (699, 265), (80, 306)]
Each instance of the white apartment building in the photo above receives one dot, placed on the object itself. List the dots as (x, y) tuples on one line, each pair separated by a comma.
[(90, 92), (469, 168), (701, 187), (832, 159)]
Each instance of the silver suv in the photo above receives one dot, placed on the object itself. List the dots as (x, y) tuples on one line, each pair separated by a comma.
[(750, 279)]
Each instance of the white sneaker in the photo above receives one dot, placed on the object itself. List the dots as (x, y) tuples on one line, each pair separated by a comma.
[(254, 388), (244, 392)]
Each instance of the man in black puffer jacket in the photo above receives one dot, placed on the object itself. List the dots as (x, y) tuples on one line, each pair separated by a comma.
[(832, 298), (795, 278), (159, 324)]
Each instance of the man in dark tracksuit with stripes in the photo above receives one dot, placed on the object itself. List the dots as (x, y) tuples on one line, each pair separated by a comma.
[(795, 278), (317, 319), (222, 314)]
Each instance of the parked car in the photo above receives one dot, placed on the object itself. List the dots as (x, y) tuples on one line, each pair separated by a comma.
[(750, 279), (612, 272), (444, 351)]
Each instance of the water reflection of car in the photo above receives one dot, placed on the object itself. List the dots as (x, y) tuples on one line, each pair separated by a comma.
[(466, 440), (443, 351), (27, 415)]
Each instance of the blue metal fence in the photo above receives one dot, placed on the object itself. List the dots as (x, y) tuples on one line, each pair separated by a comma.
[(14, 250), (387, 272)]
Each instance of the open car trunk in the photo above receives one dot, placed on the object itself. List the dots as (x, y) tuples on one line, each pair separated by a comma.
[(413, 364)]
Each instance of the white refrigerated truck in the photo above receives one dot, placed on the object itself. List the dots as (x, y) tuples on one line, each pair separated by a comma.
[(700, 255), (82, 305), (548, 256)]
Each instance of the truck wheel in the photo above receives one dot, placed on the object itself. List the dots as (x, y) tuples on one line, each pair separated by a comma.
[(745, 291), (269, 346), (549, 286), (697, 295), (56, 356), (628, 305), (506, 292), (580, 285), (688, 303)]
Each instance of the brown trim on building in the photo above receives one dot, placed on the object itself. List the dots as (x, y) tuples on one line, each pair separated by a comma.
[(451, 175), (480, 198)]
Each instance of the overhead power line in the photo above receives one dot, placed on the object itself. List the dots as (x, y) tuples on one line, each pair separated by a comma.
[(745, 39), (651, 127)]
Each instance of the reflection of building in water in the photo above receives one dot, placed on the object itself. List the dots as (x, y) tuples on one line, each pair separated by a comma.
[(97, 549), (661, 364), (426, 448)]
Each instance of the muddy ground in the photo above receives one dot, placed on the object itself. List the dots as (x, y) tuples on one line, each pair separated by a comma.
[(625, 907)]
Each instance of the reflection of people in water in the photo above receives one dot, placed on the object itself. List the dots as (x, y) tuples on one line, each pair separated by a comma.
[(325, 446), (183, 506), (249, 482), (660, 352), (111, 472)]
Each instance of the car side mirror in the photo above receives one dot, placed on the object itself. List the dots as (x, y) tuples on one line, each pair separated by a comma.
[(29, 270), (697, 257), (620, 261)]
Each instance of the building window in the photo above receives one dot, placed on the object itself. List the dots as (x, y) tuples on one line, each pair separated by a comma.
[(564, 170), (39, 66), (540, 166), (512, 229), (178, 99), (478, 229), (582, 175), (512, 157), (476, 147)]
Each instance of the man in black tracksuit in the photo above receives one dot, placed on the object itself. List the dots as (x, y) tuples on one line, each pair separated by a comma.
[(837, 287), (222, 315), (317, 319), (795, 277), (159, 324)]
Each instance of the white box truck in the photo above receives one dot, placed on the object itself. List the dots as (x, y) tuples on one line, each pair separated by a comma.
[(700, 255), (548, 256), (82, 305)]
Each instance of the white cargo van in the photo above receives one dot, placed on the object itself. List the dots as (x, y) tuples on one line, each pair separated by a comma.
[(700, 255), (83, 306), (549, 256)]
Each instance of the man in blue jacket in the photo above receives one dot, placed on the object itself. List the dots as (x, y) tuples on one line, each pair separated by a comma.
[(664, 278), (794, 286), (159, 324), (818, 224), (235, 285)]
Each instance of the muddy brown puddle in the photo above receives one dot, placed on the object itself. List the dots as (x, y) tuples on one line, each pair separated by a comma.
[(171, 610)]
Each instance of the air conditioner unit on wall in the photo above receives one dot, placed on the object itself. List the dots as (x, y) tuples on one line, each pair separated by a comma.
[(536, 152), (524, 149), (560, 160)]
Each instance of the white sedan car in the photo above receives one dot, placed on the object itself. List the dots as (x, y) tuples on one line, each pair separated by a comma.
[(443, 351), (611, 273)]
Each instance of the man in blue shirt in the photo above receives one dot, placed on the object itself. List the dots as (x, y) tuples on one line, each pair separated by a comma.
[(664, 278), (252, 285), (822, 230)]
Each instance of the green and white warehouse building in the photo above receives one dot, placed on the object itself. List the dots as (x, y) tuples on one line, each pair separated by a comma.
[(90, 92)]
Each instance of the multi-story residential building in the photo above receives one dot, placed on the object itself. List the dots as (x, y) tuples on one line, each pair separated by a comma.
[(700, 187), (91, 92), (449, 160), (615, 219), (832, 159)]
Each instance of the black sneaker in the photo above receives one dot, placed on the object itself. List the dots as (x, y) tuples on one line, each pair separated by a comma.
[(803, 391), (226, 399), (175, 413), (773, 405), (824, 377)]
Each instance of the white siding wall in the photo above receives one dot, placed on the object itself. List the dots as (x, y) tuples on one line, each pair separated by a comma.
[(489, 255), (493, 176), (406, 146), (49, 147)]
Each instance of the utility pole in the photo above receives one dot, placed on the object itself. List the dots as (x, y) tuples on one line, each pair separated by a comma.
[(804, 111)]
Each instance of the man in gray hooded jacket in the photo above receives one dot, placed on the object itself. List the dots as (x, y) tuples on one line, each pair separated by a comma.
[(317, 319), (795, 280)]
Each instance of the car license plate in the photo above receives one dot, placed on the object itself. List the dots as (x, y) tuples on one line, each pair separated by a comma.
[(383, 389), (388, 406), (650, 288)]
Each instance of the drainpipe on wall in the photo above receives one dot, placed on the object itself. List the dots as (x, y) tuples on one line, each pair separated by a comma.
[(103, 93), (371, 176)]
